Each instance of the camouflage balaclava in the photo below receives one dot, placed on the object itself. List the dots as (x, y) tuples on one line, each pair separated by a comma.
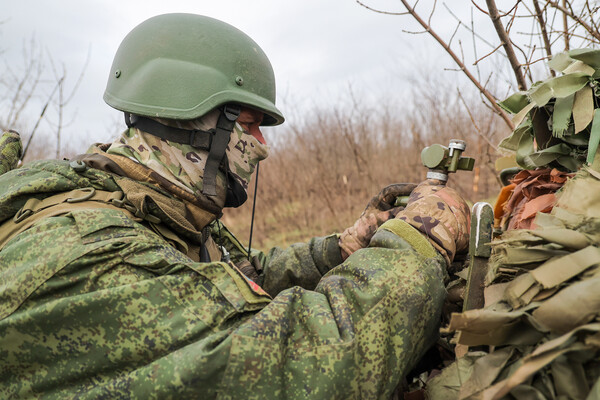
[(182, 164)]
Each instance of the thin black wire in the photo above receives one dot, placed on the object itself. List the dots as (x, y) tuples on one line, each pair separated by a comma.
[(253, 210)]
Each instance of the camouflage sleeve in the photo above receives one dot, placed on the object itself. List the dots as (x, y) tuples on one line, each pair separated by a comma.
[(11, 150), (114, 312), (301, 264)]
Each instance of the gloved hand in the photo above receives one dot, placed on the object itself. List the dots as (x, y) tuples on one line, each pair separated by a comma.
[(440, 214), (380, 209)]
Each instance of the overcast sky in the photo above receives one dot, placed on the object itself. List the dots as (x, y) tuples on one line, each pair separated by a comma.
[(318, 48)]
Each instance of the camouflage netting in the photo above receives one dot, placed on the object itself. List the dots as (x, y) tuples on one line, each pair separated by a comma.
[(542, 309), (558, 119), (538, 335)]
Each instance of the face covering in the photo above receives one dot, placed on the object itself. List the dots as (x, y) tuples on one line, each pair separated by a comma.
[(243, 154), (182, 164)]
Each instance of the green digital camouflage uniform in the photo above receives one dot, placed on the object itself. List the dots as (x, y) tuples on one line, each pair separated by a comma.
[(95, 304)]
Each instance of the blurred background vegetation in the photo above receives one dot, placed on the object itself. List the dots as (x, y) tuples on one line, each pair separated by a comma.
[(321, 173)]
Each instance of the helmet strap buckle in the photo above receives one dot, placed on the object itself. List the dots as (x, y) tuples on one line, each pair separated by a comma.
[(220, 140)]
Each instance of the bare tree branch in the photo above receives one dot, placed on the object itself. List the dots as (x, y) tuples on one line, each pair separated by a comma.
[(540, 18), (462, 66), (566, 28), (379, 11), (487, 55), (453, 34), (479, 133), (479, 8), (40, 119), (471, 29), (591, 14), (570, 14), (514, 8), (508, 48)]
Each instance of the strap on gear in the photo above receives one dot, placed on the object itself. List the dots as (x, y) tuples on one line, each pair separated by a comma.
[(34, 209), (214, 140), (204, 254), (194, 137), (225, 124)]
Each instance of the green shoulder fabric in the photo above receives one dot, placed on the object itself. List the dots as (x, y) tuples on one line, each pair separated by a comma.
[(44, 178)]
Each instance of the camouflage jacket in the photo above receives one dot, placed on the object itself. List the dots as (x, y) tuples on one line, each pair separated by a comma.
[(95, 304)]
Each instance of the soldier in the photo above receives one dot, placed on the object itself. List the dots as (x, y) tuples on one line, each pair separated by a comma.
[(119, 281)]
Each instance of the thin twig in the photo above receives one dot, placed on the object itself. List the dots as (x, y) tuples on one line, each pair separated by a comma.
[(472, 30), (537, 61), (514, 8), (573, 35), (488, 79), (527, 64), (431, 13), (574, 17), (413, 32), (453, 34), (591, 13), (41, 117), (379, 11), (479, 133), (479, 8), (475, 53), (566, 28), (487, 55), (532, 48), (511, 22)]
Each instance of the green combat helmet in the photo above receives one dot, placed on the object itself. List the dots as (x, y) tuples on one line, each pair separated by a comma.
[(557, 121), (181, 66)]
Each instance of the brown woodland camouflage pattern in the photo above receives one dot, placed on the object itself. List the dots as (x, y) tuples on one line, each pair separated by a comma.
[(182, 164), (380, 209), (96, 304), (442, 215)]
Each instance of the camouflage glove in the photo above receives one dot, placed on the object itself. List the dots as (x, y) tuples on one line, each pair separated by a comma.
[(380, 209), (442, 215)]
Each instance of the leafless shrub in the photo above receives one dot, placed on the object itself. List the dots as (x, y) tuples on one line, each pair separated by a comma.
[(35, 101)]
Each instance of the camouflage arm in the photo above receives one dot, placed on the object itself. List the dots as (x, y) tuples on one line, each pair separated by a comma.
[(114, 312), (366, 324), (301, 264)]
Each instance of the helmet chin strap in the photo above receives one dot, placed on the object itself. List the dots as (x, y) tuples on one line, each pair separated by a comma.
[(214, 140), (216, 154)]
